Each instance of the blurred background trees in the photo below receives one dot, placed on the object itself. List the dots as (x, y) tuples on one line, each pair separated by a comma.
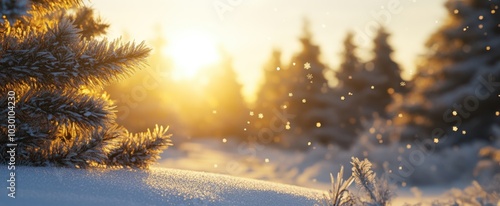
[(336, 104), (455, 99)]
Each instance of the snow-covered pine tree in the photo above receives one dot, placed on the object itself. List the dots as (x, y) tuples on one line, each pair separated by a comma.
[(455, 90), (376, 100), (50, 59), (383, 77), (346, 97), (308, 96), (365, 90)]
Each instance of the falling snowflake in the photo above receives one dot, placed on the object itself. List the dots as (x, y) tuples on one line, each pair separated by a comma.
[(307, 65), (402, 84), (309, 76)]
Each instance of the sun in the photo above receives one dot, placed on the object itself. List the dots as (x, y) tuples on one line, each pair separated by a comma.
[(190, 52)]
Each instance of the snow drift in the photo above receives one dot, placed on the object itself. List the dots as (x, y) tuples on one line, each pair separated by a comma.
[(157, 186)]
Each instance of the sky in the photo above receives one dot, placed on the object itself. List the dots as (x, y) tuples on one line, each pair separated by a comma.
[(250, 29)]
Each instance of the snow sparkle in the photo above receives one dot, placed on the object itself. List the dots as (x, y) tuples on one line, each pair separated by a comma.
[(307, 65)]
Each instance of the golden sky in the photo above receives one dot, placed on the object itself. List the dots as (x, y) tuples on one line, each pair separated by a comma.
[(250, 29)]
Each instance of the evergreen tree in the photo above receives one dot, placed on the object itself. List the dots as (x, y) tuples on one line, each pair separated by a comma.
[(308, 96), (347, 95), (365, 90), (383, 77), (455, 92), (52, 69), (384, 86), (225, 111), (272, 94), (272, 89)]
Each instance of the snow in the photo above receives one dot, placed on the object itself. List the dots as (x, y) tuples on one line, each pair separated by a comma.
[(312, 168), (157, 186)]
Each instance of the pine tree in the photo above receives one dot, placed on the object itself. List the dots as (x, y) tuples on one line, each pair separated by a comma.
[(308, 97), (225, 111), (376, 101), (271, 91), (365, 90), (455, 93), (347, 97), (272, 95), (53, 68), (383, 77)]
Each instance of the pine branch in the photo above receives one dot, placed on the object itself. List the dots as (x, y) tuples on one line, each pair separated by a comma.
[(60, 59), (112, 60), (65, 107), (89, 25), (32, 130), (81, 151), (140, 150)]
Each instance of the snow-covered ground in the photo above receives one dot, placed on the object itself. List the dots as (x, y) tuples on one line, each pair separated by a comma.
[(247, 175), (312, 168), (158, 186)]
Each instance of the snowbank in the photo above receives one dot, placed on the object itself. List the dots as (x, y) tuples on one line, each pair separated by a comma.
[(158, 186)]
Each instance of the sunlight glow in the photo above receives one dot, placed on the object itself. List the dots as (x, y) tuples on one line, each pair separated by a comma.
[(191, 51)]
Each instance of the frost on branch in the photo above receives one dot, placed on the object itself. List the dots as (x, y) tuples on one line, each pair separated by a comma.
[(140, 150), (58, 58), (374, 191)]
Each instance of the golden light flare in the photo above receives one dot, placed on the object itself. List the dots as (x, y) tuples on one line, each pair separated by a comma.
[(191, 51)]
